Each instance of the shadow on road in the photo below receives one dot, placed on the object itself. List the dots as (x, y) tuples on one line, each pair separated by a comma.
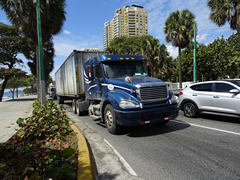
[(220, 118), (153, 130)]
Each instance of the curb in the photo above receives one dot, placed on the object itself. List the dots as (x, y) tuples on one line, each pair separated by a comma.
[(85, 163)]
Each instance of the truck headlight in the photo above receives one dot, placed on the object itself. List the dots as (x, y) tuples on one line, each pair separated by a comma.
[(174, 99), (128, 104)]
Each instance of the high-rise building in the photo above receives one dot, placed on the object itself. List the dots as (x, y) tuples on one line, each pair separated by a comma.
[(107, 33), (128, 21)]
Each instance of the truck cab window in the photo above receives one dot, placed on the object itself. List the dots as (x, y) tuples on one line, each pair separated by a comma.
[(123, 69), (98, 72)]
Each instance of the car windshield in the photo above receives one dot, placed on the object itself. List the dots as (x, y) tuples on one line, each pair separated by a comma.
[(123, 69)]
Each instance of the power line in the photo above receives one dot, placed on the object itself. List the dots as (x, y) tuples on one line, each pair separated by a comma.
[(213, 29)]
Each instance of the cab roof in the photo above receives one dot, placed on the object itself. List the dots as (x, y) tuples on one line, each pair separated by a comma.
[(104, 58)]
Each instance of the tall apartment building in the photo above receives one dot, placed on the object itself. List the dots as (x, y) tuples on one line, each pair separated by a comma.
[(107, 33), (128, 21)]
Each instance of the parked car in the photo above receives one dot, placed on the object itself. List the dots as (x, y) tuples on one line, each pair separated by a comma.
[(211, 97)]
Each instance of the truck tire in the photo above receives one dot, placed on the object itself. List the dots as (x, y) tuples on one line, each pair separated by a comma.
[(74, 106), (110, 120), (60, 100), (78, 108)]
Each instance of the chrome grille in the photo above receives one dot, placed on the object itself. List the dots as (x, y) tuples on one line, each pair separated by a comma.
[(152, 93)]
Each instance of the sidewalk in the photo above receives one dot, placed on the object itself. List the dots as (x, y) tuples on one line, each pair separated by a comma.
[(10, 111)]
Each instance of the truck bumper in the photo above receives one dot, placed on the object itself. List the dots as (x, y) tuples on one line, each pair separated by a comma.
[(145, 116)]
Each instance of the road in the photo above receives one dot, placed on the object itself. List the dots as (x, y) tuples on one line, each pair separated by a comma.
[(185, 148)]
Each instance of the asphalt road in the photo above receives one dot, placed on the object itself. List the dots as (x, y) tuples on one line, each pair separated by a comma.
[(185, 148)]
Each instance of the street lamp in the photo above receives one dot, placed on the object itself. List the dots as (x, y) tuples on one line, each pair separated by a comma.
[(194, 57), (40, 50)]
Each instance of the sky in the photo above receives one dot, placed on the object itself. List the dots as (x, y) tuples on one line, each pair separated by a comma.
[(85, 20)]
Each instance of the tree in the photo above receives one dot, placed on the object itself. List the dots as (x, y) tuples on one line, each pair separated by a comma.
[(23, 15), (11, 43), (14, 83), (31, 81), (179, 28), (223, 11), (154, 52), (217, 60), (48, 54), (168, 70)]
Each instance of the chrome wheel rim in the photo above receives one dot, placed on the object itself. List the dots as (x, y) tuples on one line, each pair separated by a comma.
[(109, 119), (189, 110)]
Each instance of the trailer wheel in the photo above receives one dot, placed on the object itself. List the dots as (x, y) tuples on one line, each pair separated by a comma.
[(78, 109), (110, 120), (74, 106), (58, 99)]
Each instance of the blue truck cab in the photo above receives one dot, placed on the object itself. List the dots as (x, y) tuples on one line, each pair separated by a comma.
[(118, 89)]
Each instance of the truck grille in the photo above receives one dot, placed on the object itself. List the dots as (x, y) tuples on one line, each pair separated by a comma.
[(152, 93)]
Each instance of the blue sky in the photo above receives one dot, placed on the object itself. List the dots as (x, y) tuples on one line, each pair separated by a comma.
[(85, 20)]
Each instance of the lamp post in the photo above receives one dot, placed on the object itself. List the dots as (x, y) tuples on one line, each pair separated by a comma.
[(40, 50), (194, 57)]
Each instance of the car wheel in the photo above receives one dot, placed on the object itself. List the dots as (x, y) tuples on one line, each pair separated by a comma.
[(110, 120), (190, 110)]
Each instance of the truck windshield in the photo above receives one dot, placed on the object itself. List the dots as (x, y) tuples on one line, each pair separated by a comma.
[(123, 69)]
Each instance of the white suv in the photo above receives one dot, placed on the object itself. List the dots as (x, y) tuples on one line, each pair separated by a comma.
[(211, 97)]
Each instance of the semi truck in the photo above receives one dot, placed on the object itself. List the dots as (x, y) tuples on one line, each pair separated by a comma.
[(118, 89)]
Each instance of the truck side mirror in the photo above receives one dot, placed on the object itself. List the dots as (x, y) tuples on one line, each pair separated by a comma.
[(90, 73), (149, 70)]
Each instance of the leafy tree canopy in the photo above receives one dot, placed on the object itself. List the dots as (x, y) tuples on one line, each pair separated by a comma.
[(223, 11), (11, 43), (217, 60), (154, 52)]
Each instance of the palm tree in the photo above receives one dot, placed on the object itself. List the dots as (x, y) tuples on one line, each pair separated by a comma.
[(223, 11), (23, 15), (179, 28), (154, 53)]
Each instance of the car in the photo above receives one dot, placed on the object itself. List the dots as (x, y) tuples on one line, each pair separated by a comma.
[(220, 97)]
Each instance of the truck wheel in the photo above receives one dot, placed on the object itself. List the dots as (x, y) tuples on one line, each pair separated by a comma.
[(79, 112), (110, 120), (190, 110), (74, 106), (58, 100)]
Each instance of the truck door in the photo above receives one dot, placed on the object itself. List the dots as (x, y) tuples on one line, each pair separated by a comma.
[(98, 78)]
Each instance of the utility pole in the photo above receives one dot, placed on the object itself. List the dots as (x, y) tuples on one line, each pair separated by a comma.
[(194, 57), (40, 50)]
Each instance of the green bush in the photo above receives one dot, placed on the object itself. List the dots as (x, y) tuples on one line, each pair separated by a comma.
[(29, 153)]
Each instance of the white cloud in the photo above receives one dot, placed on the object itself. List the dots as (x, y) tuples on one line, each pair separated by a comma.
[(158, 12), (202, 37), (66, 32), (64, 47), (173, 51)]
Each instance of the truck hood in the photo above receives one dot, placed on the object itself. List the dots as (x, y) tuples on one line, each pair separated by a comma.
[(139, 81)]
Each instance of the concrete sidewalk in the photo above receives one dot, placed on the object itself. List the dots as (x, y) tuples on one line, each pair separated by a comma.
[(10, 111)]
